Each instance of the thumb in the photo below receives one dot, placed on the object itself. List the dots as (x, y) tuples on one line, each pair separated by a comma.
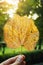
[(19, 60)]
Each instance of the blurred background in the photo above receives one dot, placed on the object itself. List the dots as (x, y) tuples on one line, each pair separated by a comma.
[(31, 8)]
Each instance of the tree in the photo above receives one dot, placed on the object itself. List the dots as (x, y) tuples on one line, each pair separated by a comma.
[(4, 6), (25, 6), (39, 22)]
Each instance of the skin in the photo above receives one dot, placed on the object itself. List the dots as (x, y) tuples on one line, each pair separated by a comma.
[(17, 60)]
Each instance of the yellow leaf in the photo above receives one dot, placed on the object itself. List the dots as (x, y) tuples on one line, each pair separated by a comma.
[(21, 31)]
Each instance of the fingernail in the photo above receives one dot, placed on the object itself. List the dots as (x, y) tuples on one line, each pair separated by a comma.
[(20, 59)]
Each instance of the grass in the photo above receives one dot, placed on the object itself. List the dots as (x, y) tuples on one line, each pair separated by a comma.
[(9, 50)]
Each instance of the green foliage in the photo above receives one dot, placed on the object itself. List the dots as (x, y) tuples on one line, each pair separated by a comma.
[(39, 21), (25, 7), (3, 18)]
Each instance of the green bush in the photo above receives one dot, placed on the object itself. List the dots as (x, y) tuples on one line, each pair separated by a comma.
[(31, 57)]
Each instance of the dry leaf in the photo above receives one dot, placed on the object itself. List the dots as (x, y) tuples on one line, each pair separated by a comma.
[(21, 31)]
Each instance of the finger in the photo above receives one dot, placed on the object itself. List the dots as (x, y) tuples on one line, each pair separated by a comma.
[(19, 60), (9, 61), (23, 63)]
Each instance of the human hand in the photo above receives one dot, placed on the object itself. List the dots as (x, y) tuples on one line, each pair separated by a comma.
[(17, 60)]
